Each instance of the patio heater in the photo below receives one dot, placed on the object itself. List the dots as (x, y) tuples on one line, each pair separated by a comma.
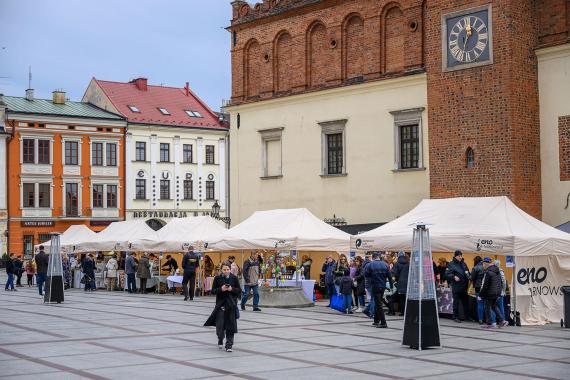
[(421, 320), (53, 292)]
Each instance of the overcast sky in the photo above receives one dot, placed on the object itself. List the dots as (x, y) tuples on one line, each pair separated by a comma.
[(67, 42)]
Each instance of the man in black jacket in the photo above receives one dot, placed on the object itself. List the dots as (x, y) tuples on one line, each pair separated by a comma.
[(251, 273), (400, 273), (491, 288), (458, 276), (171, 264), (190, 263), (42, 261), (10, 273), (18, 270), (477, 278)]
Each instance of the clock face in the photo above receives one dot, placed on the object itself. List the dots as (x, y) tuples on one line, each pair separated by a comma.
[(467, 40)]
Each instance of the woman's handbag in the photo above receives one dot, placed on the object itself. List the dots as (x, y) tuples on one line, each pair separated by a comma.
[(337, 302)]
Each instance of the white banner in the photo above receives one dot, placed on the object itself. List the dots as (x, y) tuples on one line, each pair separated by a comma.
[(538, 288)]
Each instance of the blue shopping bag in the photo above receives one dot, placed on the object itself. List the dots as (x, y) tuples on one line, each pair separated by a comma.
[(337, 302)]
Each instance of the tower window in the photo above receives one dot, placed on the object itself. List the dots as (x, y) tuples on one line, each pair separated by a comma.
[(469, 158)]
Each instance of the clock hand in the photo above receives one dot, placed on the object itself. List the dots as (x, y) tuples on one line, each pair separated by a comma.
[(468, 33)]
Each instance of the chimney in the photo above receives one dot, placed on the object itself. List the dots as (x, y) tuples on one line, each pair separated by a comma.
[(187, 89), (30, 94), (58, 97), (141, 83)]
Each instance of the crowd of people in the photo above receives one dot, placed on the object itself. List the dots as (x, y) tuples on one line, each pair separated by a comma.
[(382, 279)]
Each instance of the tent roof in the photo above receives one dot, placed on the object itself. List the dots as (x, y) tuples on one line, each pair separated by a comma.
[(180, 233), (490, 224), (564, 227), (118, 236), (72, 236), (284, 229)]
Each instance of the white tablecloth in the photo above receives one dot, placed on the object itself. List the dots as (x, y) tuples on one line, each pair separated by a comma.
[(307, 285), (174, 281)]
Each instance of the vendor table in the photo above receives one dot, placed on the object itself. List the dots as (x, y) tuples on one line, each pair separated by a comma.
[(153, 281), (307, 285), (174, 281)]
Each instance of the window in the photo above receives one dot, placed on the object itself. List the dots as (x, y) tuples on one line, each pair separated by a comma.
[(43, 152), (187, 153), (28, 245), (334, 153), (164, 152), (97, 154), (71, 153), (97, 196), (140, 189), (209, 154), (408, 139), (210, 192), (409, 151), (134, 109), (42, 238), (111, 154), (469, 158), (193, 113), (163, 111), (141, 151), (44, 195), (28, 147), (29, 190), (271, 152), (188, 184), (111, 196), (164, 189), (71, 199)]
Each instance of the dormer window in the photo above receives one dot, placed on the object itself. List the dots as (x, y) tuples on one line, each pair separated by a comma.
[(163, 111), (134, 109), (193, 113)]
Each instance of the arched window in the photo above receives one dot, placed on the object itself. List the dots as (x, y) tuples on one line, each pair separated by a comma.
[(469, 158)]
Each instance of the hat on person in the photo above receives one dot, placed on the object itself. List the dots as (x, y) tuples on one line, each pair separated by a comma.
[(401, 253), (487, 260), (376, 255), (458, 253)]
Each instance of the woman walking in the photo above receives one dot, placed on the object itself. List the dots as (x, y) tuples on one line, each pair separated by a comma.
[(359, 289), (224, 317), (112, 267)]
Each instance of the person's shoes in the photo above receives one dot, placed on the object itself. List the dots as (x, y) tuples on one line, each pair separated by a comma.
[(391, 314), (358, 310), (503, 324), (256, 309), (14, 290), (243, 307), (191, 299), (375, 324), (220, 346), (489, 327), (382, 326), (457, 320), (480, 322), (229, 349), (185, 298)]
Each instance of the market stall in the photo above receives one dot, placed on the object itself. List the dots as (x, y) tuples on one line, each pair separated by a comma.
[(73, 236), (118, 236), (284, 230), (535, 254)]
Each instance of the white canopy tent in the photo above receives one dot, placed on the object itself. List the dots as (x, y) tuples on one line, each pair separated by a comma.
[(118, 236), (73, 236), (490, 226), (180, 233), (288, 229)]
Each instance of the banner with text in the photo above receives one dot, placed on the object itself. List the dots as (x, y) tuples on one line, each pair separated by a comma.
[(538, 287)]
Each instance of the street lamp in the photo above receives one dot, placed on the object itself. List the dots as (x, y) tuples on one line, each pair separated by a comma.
[(216, 214)]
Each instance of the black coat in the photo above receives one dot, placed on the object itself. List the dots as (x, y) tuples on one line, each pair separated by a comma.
[(226, 300), (339, 272), (42, 261), (345, 285), (400, 272), (477, 276), (18, 266), (459, 269), (492, 284), (359, 277), (10, 267), (88, 266)]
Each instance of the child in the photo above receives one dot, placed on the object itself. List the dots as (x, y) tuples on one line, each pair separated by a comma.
[(346, 291)]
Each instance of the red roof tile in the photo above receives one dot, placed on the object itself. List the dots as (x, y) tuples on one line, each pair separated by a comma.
[(173, 99)]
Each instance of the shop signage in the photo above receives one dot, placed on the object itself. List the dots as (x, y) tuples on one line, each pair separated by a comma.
[(37, 223), (160, 214), (99, 223)]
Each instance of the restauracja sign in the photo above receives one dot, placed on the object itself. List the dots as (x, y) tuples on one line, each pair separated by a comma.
[(160, 214)]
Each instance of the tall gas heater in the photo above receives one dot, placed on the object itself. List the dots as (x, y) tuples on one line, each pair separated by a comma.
[(421, 321), (54, 283)]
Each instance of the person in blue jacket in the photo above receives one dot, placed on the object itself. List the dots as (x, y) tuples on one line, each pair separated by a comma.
[(377, 273)]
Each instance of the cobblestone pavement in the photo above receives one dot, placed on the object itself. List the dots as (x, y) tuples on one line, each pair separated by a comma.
[(115, 335)]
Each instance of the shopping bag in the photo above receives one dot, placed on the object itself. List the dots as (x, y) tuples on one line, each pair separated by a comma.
[(337, 302)]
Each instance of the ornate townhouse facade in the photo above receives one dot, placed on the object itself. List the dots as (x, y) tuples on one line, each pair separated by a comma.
[(360, 109), (176, 149)]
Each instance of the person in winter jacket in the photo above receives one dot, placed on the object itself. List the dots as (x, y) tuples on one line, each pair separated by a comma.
[(378, 273), (477, 278), (131, 269), (10, 272), (370, 308), (190, 262), (112, 267), (143, 272), (400, 274), (251, 273), (30, 271), (458, 276), (224, 317), (500, 300), (18, 270), (42, 261), (342, 269), (491, 289), (328, 268), (346, 292), (359, 290), (88, 267)]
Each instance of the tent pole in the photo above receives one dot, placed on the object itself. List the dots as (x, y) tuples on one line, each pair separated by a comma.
[(514, 292)]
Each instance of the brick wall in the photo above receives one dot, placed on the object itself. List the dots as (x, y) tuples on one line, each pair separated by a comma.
[(564, 147)]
